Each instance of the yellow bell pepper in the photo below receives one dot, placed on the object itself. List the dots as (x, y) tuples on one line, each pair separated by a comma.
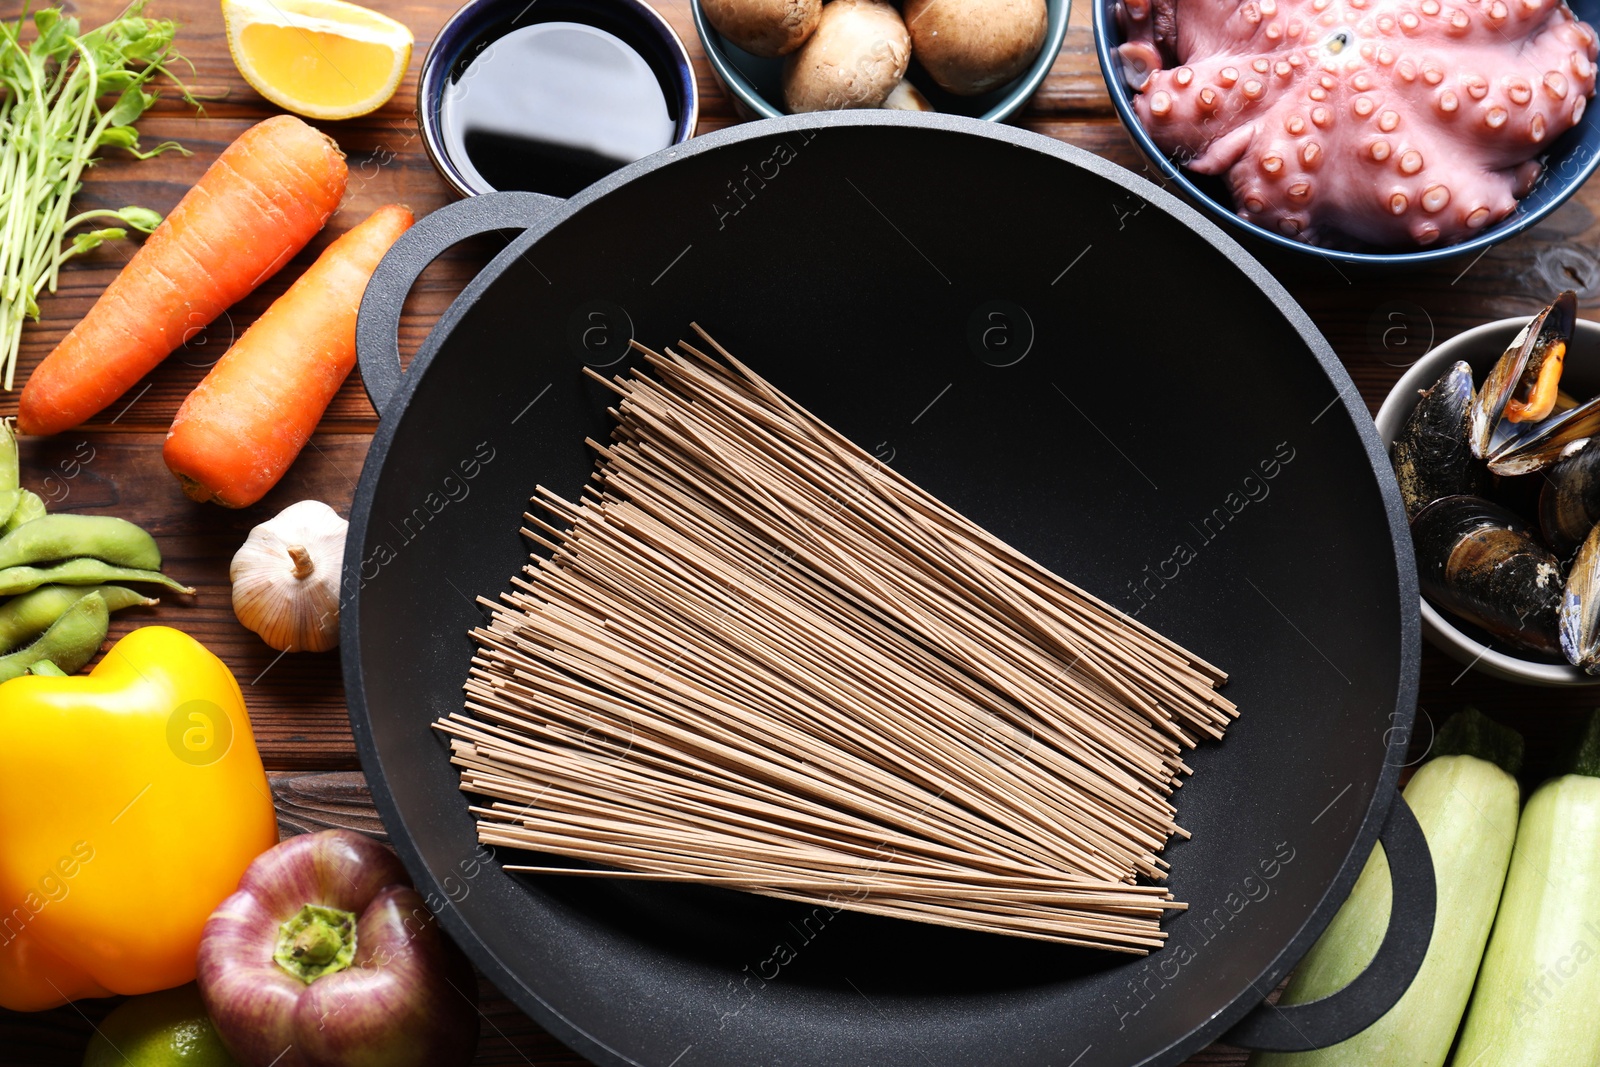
[(131, 800)]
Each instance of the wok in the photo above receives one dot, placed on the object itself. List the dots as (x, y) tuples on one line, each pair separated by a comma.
[(1063, 352)]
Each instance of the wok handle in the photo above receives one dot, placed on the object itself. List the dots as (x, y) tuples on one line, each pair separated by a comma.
[(1340, 1016), (378, 326)]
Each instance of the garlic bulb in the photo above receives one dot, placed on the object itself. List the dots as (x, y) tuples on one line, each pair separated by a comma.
[(286, 578)]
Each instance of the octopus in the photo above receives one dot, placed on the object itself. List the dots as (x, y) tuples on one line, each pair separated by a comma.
[(1351, 123)]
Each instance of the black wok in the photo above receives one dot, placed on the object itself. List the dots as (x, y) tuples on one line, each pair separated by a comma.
[(1058, 349)]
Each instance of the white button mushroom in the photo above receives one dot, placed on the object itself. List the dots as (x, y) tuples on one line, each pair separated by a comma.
[(973, 46), (857, 56), (764, 27)]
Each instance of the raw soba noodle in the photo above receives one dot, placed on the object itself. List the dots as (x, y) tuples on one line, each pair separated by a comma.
[(753, 656)]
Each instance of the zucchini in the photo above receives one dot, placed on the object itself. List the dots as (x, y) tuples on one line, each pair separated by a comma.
[(1465, 799), (1538, 998)]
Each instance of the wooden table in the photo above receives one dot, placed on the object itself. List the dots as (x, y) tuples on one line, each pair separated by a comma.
[(1379, 324)]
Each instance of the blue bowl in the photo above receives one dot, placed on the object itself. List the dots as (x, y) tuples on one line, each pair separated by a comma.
[(478, 23), (1568, 164), (757, 83)]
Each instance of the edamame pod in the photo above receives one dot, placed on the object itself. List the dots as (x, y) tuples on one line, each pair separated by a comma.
[(54, 537), (26, 617), (10, 472), (29, 507), (70, 644), (18, 580)]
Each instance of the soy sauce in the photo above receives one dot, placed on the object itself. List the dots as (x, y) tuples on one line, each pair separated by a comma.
[(554, 107)]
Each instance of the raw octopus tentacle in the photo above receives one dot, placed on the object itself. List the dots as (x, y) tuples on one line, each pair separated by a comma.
[(1381, 122)]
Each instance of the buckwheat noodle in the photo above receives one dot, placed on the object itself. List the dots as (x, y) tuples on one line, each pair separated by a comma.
[(753, 656)]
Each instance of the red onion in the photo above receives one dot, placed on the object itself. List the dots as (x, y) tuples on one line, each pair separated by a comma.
[(326, 957)]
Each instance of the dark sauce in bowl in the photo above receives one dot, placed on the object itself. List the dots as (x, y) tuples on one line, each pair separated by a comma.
[(553, 107)]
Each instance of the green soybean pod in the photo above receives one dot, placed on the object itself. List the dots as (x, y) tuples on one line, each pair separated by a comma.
[(54, 537), (69, 644), (29, 507), (25, 617), (10, 472), (15, 581)]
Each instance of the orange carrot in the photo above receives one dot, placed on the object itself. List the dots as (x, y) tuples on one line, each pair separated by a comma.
[(244, 425), (253, 209)]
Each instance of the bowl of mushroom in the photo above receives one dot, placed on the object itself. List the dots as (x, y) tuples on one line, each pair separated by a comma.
[(982, 58)]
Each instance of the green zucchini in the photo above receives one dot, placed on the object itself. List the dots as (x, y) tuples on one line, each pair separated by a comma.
[(1465, 799), (1538, 998)]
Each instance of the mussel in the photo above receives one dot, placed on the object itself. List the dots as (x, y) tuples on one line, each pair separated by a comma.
[(1432, 456), (1483, 563), (1522, 387), (1579, 615), (1569, 502), (1521, 421)]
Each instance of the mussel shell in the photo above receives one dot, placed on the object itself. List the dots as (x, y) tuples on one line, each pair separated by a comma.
[(1488, 433), (1550, 441), (1483, 563), (1432, 457), (1569, 502), (1579, 617)]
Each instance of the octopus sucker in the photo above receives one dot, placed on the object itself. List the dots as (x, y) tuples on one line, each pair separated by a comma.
[(1361, 123)]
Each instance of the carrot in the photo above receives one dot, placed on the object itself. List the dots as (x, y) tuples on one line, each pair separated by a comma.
[(253, 209), (244, 425)]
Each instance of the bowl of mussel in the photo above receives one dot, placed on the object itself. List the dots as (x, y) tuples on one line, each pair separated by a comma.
[(1495, 439)]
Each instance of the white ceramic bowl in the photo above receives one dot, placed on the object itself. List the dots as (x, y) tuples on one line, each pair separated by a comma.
[(1480, 347)]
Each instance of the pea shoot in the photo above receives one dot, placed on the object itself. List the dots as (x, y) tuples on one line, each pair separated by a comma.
[(63, 96)]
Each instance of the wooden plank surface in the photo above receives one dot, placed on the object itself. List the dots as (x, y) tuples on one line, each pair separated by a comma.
[(1378, 322)]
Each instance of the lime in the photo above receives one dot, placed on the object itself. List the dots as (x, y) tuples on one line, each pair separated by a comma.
[(163, 1029)]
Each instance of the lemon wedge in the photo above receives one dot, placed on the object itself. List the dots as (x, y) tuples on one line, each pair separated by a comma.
[(324, 59)]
